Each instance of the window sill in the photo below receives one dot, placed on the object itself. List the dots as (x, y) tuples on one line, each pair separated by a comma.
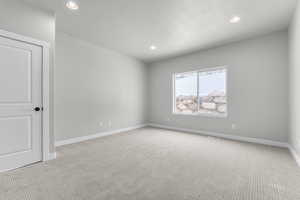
[(202, 115)]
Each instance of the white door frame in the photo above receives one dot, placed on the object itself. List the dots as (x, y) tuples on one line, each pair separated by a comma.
[(45, 88)]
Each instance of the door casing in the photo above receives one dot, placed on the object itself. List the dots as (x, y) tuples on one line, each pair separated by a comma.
[(46, 155)]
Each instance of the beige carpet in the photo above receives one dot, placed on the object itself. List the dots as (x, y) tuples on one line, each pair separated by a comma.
[(155, 164)]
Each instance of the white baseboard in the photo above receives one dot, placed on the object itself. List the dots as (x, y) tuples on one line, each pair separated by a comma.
[(49, 156), (225, 136), (295, 154), (97, 135), (200, 132), (52, 156)]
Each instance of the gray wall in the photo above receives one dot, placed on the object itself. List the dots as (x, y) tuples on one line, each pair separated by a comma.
[(20, 18), (295, 80), (94, 85), (257, 88)]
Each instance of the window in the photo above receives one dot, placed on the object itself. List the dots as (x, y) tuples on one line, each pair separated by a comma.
[(201, 92)]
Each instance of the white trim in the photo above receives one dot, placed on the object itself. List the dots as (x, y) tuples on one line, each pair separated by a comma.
[(23, 38), (45, 85), (46, 105), (294, 154), (52, 156), (225, 136), (97, 135), (198, 114), (6, 170), (213, 115)]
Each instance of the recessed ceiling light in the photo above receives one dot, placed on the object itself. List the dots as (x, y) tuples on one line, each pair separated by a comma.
[(152, 47), (235, 19), (72, 5)]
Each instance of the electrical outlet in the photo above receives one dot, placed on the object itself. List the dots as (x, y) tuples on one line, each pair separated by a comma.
[(233, 126), (101, 124)]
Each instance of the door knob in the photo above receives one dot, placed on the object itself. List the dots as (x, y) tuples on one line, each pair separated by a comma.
[(37, 109)]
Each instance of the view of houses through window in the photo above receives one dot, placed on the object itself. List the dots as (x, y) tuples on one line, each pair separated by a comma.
[(201, 92)]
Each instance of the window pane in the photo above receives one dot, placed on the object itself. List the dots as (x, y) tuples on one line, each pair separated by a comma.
[(186, 93), (212, 92)]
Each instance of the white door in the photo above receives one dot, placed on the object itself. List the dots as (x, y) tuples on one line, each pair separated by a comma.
[(20, 94)]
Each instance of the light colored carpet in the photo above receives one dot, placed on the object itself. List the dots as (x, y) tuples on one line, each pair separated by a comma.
[(155, 164)]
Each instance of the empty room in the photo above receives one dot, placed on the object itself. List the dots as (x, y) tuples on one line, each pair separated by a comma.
[(149, 100)]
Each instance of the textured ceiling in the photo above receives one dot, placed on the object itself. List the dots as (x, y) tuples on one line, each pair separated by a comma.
[(174, 26)]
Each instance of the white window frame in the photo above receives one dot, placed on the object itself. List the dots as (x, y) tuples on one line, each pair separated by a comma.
[(199, 71)]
